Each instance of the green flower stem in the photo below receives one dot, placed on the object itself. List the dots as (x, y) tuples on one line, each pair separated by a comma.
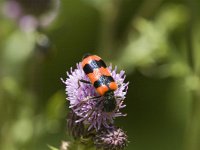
[(78, 145)]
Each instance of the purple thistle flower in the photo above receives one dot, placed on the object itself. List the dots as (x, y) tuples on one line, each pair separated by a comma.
[(12, 9), (90, 111), (111, 139), (77, 130), (31, 14)]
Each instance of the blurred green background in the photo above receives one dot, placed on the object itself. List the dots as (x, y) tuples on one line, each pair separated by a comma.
[(156, 42)]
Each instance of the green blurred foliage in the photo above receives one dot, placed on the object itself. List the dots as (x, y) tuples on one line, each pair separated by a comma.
[(156, 42)]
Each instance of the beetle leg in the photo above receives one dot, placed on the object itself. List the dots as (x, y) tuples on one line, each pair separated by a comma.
[(121, 99), (84, 81), (118, 97), (89, 98), (119, 84)]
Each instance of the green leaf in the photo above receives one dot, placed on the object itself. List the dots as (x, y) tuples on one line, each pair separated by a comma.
[(52, 148)]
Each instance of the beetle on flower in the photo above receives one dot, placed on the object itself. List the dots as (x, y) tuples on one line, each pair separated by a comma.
[(88, 104)]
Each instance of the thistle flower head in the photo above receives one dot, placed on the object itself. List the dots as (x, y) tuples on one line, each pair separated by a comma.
[(90, 110), (77, 130), (111, 139)]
